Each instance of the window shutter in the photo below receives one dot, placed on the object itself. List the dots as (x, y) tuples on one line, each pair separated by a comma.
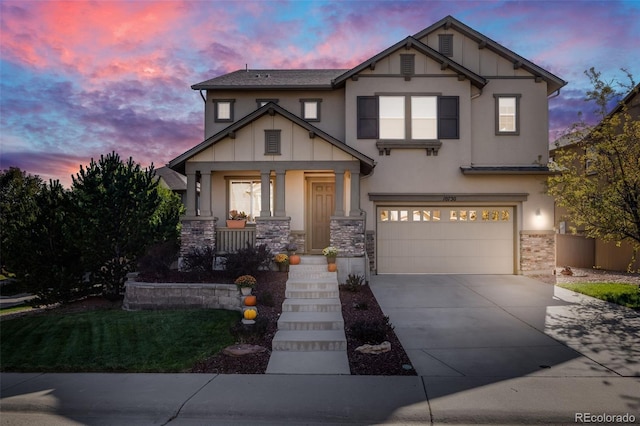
[(448, 117), (367, 117), (445, 44), (272, 142)]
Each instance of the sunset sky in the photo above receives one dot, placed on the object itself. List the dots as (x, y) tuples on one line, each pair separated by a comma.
[(79, 79)]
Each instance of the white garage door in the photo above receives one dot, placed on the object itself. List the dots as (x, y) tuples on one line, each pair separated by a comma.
[(445, 240)]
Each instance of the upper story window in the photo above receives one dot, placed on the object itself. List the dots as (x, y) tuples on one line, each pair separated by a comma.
[(223, 110), (445, 44), (408, 117), (507, 114), (310, 109), (263, 102)]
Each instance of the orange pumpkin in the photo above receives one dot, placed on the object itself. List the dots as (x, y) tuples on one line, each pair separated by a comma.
[(250, 301), (332, 267), (250, 314), (294, 259)]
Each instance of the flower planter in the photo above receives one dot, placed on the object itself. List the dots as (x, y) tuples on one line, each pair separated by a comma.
[(237, 224), (331, 259), (245, 291)]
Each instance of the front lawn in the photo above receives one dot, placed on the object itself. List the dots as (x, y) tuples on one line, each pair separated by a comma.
[(623, 294), (114, 340)]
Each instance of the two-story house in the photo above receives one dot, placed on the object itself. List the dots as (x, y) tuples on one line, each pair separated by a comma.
[(429, 157)]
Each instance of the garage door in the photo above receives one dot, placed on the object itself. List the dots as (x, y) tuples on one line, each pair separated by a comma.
[(447, 240)]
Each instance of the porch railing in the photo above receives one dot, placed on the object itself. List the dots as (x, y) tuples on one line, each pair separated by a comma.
[(229, 240)]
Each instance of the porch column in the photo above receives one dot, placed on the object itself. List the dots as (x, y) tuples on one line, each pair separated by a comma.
[(190, 202), (355, 194), (280, 191), (205, 194), (339, 211), (265, 188)]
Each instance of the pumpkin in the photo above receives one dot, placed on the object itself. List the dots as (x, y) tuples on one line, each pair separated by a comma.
[(250, 314), (250, 301), (332, 267), (294, 259)]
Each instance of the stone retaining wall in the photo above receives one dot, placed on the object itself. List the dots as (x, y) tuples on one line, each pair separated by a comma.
[(157, 296)]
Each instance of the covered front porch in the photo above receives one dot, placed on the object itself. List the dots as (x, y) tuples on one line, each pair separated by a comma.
[(311, 204)]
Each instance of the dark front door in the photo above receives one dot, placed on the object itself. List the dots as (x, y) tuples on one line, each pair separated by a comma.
[(321, 210)]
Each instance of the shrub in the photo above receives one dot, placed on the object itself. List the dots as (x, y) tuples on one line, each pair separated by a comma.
[(158, 258), (248, 261), (354, 283), (199, 259), (373, 332)]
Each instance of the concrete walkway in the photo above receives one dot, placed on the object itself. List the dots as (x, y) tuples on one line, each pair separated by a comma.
[(310, 337)]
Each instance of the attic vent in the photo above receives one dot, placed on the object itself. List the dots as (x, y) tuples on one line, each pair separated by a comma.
[(445, 45), (272, 142), (407, 65)]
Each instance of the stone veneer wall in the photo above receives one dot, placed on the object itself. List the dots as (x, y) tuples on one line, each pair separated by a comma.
[(299, 239), (370, 244), (274, 232), (347, 235), (156, 296), (197, 233), (537, 252)]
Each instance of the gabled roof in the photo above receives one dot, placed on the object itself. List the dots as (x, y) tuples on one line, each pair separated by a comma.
[(553, 82), (316, 79), (178, 163), (412, 42), (174, 180)]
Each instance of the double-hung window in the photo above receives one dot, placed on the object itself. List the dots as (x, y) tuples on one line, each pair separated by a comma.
[(310, 109), (507, 114), (408, 117)]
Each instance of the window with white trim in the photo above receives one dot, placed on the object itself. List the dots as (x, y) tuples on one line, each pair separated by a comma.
[(245, 195)]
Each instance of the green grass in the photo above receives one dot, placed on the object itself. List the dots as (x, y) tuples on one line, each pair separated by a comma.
[(114, 340), (623, 294)]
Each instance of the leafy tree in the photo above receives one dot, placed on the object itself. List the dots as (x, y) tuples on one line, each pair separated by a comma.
[(599, 180), (118, 205), (18, 207)]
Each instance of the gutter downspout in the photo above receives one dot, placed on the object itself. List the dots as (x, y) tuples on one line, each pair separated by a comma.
[(557, 93), (203, 98)]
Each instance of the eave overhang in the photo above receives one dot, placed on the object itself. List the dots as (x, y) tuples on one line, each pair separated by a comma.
[(507, 170)]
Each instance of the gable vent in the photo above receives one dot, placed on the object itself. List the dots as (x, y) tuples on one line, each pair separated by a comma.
[(407, 65), (272, 142), (445, 44)]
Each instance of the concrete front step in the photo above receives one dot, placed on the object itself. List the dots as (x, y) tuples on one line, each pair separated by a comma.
[(311, 321), (312, 294), (312, 285), (312, 260), (312, 305), (310, 362), (317, 340)]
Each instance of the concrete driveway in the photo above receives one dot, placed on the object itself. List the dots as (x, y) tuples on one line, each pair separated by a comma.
[(507, 326)]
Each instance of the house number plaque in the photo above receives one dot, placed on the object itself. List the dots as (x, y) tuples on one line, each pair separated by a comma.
[(449, 198)]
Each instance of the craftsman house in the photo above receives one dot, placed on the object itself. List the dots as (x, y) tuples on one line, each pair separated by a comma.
[(429, 157)]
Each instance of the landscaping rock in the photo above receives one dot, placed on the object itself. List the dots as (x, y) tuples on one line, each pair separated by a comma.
[(243, 349), (374, 349)]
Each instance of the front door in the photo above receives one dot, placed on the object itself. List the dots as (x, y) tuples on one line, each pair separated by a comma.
[(321, 209)]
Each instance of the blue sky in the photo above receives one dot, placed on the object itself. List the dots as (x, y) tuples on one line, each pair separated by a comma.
[(79, 79)]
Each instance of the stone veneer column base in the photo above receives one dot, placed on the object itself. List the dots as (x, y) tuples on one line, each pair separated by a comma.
[(537, 252), (274, 232), (196, 233), (348, 236)]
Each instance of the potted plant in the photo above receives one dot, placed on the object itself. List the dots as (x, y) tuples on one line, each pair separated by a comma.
[(330, 253), (245, 284), (291, 248), (236, 219), (282, 260)]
